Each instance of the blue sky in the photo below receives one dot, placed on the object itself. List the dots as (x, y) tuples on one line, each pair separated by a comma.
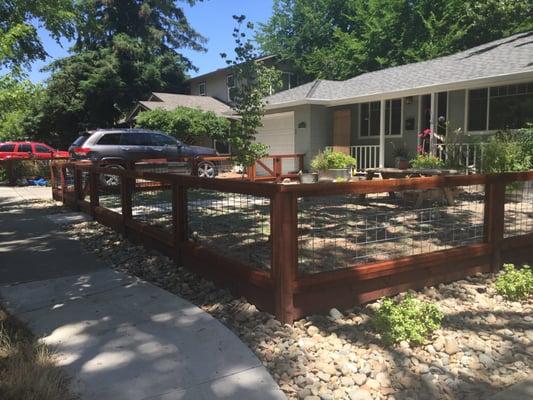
[(212, 18)]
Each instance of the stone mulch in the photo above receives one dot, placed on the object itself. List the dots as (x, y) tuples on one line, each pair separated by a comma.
[(485, 344)]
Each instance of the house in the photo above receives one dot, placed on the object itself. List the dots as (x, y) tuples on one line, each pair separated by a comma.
[(219, 83), (481, 90)]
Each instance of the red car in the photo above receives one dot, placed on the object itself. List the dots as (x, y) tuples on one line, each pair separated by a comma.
[(29, 150)]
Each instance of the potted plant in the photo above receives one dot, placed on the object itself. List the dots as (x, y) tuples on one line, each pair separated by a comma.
[(426, 161), (401, 156), (333, 166)]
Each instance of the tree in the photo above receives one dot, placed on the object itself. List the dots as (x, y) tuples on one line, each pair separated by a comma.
[(254, 81), (185, 124), (19, 101), (125, 49), (339, 39), (19, 41)]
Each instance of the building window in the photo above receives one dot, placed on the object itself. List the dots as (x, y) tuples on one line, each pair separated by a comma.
[(221, 147), (201, 89), (370, 118), (288, 80), (230, 83), (500, 107)]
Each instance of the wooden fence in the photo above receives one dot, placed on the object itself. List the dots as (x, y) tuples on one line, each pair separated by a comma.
[(294, 250)]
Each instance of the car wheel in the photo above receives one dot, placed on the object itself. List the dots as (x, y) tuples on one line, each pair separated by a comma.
[(207, 169), (108, 180)]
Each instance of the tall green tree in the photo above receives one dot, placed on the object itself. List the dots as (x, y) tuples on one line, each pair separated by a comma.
[(124, 50), (332, 39), (20, 43)]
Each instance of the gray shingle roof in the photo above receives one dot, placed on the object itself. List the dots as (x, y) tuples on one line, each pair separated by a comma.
[(508, 56), (170, 101)]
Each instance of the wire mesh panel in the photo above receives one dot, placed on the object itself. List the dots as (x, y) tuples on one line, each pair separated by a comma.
[(109, 191), (152, 203), (234, 225), (69, 178), (518, 209), (165, 167), (85, 189), (341, 231)]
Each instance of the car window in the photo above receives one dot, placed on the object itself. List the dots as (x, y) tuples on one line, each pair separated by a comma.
[(79, 141), (136, 139), (24, 148), (162, 140), (39, 148), (110, 139), (7, 147)]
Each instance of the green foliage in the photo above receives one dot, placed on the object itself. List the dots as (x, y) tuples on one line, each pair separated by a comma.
[(504, 152), (515, 284), (428, 161), (20, 43), (19, 100), (409, 320), (338, 39), (186, 124), (525, 137), (330, 159), (253, 82)]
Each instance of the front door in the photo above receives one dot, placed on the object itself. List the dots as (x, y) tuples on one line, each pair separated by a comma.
[(342, 126)]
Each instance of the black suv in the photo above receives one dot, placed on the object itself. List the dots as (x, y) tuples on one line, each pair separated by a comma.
[(114, 147)]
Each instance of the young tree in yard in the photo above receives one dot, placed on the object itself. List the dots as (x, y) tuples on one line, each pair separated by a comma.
[(20, 43), (185, 124), (339, 39), (254, 81)]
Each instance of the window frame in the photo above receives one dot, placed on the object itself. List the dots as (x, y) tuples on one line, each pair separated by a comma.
[(204, 85), (376, 135), (8, 151), (228, 87)]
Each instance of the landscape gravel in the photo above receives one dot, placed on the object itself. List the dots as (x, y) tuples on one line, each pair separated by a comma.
[(484, 345)]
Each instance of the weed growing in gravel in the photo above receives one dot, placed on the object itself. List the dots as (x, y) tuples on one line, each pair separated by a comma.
[(410, 320), (515, 284)]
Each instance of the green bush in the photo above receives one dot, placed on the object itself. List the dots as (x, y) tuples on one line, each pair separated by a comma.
[(427, 161), (505, 152), (515, 284), (410, 320), (330, 159)]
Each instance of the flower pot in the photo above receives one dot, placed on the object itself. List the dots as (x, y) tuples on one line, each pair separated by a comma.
[(308, 178), (401, 162), (331, 175)]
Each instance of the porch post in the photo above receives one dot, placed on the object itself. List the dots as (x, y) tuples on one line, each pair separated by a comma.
[(432, 125), (382, 134)]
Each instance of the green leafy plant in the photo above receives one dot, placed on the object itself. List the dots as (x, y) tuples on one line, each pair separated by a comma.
[(410, 320), (399, 151), (424, 160), (330, 159), (515, 284), (504, 152)]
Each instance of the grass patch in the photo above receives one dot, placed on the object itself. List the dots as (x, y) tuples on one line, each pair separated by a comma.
[(27, 367)]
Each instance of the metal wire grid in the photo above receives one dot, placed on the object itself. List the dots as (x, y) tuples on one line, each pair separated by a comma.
[(85, 189), (342, 231), (235, 225), (168, 167), (152, 203), (69, 178), (109, 191), (518, 209)]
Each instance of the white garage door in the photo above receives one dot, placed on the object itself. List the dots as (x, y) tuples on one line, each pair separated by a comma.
[(277, 132)]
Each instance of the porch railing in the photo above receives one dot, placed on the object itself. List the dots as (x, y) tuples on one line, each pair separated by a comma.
[(367, 156), (468, 155)]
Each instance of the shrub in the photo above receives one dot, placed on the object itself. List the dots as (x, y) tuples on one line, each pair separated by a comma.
[(427, 161), (505, 152), (515, 284), (330, 159), (409, 320)]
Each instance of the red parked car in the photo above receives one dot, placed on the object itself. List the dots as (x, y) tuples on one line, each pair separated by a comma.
[(29, 150)]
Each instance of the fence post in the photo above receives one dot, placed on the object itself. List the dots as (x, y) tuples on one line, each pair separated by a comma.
[(494, 219), (284, 227), (126, 193), (251, 172), (93, 191), (62, 173), (179, 217), (11, 179), (78, 187), (278, 169)]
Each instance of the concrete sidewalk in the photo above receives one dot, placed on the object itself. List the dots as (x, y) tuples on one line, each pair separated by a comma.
[(118, 337)]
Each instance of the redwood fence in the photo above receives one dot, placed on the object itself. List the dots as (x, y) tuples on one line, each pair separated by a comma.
[(294, 249)]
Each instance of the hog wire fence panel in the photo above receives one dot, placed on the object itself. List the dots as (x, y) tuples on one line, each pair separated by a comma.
[(165, 167), (69, 178), (152, 203), (232, 224), (337, 232), (518, 209), (109, 190), (85, 181)]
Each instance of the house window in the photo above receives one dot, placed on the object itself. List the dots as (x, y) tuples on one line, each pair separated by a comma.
[(500, 107), (370, 118), (230, 83), (201, 89), (221, 147), (288, 80)]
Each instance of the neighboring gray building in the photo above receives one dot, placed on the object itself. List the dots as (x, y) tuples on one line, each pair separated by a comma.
[(481, 90)]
